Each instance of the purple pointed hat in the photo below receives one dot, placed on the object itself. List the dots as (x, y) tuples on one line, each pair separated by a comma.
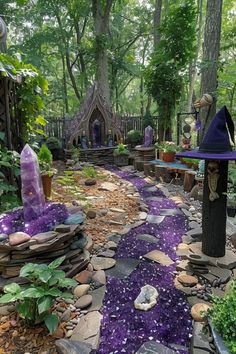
[(216, 143)]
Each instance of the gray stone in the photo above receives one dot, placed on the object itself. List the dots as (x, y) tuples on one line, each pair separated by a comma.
[(183, 206), (200, 340), (124, 267), (193, 225), (108, 253), (186, 212), (170, 212), (74, 219), (150, 189), (111, 245), (99, 277), (88, 326), (197, 259), (154, 219), (102, 212), (66, 315), (90, 182), (65, 346), (3, 237), (79, 243), (159, 257), (148, 238), (108, 186), (102, 263), (146, 299), (98, 296), (91, 214), (193, 300), (195, 233), (114, 237), (154, 348), (62, 228), (223, 273), (154, 199), (84, 301), (6, 310)]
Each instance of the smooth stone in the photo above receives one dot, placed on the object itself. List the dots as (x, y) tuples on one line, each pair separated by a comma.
[(148, 238), (193, 225), (44, 236), (196, 259), (102, 263), (117, 210), (84, 277), (223, 273), (74, 219), (170, 212), (108, 253), (91, 214), (123, 268), (147, 298), (81, 290), (154, 199), (197, 312), (152, 347), (111, 245), (108, 186), (88, 326), (17, 238), (98, 296), (154, 219), (3, 237), (150, 189), (65, 346), (143, 216), (69, 332), (84, 301), (187, 280), (99, 277), (6, 310), (66, 315), (62, 228), (114, 237), (186, 212), (159, 257), (195, 233), (200, 340), (90, 182), (183, 206)]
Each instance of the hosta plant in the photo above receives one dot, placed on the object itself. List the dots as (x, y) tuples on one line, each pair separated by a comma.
[(34, 301)]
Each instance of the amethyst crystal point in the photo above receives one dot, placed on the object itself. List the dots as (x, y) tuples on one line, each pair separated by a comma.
[(32, 191), (148, 136)]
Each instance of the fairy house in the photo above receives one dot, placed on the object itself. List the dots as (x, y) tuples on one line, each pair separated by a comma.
[(95, 120)]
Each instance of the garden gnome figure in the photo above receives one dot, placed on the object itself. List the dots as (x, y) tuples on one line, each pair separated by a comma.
[(109, 139), (84, 140), (216, 150), (148, 136), (32, 190), (3, 36)]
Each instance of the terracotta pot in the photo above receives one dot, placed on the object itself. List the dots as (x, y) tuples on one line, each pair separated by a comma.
[(168, 156), (47, 185), (160, 154)]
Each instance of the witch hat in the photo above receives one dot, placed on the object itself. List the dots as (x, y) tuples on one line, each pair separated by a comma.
[(216, 144)]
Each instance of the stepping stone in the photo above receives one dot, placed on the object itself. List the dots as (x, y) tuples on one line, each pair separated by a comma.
[(159, 257), (148, 238), (193, 225), (228, 261), (124, 267), (200, 340), (108, 186), (170, 212), (102, 263), (98, 296), (154, 348), (65, 346), (62, 228), (84, 301), (154, 219), (223, 273), (154, 199), (108, 253), (187, 280), (192, 300), (88, 326), (114, 237)]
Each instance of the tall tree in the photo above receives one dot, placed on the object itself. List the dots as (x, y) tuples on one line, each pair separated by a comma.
[(210, 59)]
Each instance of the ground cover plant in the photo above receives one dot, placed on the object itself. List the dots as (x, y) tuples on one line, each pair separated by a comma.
[(34, 301)]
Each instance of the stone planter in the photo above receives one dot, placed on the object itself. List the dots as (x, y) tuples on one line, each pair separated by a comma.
[(47, 185), (121, 160), (168, 156), (218, 341)]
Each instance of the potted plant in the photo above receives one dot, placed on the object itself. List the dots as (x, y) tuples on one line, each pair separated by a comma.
[(46, 169), (54, 146), (121, 155), (168, 150), (231, 203)]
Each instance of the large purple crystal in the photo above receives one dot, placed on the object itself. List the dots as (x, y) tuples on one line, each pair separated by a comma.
[(148, 136), (32, 191)]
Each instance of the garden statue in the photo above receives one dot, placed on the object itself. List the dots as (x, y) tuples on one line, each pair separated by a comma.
[(148, 136), (96, 134), (109, 139), (84, 140), (32, 190)]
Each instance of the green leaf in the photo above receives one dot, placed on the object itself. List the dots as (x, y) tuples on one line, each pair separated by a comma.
[(67, 295), (51, 321), (45, 276), (8, 298), (33, 292), (44, 304), (40, 132), (40, 121), (54, 292), (12, 288), (56, 263), (27, 269), (25, 309), (2, 136), (67, 282)]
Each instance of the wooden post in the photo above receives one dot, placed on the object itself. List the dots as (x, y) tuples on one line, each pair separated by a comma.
[(214, 214)]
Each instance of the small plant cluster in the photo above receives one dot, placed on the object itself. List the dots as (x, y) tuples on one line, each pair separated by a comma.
[(121, 150), (70, 185), (34, 301), (167, 146), (89, 172), (45, 161), (222, 315)]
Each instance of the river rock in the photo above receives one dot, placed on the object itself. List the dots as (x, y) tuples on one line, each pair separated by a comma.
[(146, 299), (44, 236), (99, 277), (91, 214), (187, 280), (62, 228), (84, 301), (74, 219), (197, 311), (81, 290), (17, 238), (90, 182), (102, 263), (84, 277), (65, 346), (3, 237)]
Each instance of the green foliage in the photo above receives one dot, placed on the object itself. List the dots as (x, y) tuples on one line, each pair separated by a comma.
[(34, 300), (69, 183), (45, 161), (53, 143), (30, 92), (9, 164), (222, 315), (148, 120), (89, 172), (167, 146), (75, 154), (134, 137), (121, 150)]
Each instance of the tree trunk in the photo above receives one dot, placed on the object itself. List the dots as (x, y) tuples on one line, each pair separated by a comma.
[(211, 50), (101, 15), (193, 64), (214, 215), (65, 96), (157, 22), (3, 36)]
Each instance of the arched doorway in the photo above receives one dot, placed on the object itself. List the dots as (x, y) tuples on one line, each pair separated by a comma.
[(97, 129)]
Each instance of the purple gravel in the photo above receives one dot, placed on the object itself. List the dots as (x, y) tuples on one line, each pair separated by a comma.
[(124, 329)]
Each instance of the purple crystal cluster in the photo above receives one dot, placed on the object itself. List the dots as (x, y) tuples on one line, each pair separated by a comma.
[(125, 329), (14, 221)]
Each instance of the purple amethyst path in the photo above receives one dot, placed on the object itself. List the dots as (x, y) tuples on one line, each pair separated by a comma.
[(125, 329)]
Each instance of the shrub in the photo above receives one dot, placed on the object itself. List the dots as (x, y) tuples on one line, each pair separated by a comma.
[(53, 143), (89, 172), (45, 155), (35, 300), (134, 137), (121, 150)]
